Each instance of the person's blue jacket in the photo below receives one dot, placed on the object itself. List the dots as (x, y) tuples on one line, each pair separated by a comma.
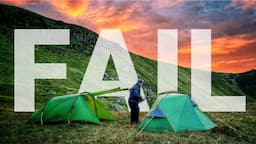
[(135, 94)]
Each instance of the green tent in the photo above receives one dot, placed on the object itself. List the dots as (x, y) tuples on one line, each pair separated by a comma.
[(175, 112), (82, 107)]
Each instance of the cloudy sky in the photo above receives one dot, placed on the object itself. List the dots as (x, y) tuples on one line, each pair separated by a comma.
[(233, 24)]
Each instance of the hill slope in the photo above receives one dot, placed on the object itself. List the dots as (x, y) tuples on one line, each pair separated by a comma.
[(77, 56)]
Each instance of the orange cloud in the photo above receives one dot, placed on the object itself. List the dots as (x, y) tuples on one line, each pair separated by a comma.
[(120, 22), (227, 45), (235, 65), (112, 18), (168, 3), (73, 8), (223, 45), (229, 54), (140, 20), (18, 2)]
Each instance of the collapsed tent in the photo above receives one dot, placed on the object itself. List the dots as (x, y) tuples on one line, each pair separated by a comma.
[(175, 112), (82, 107)]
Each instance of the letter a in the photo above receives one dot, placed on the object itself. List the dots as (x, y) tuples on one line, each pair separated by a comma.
[(111, 42)]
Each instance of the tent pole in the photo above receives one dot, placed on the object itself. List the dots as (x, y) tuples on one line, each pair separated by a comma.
[(41, 119), (96, 111), (72, 106), (145, 126), (69, 115), (224, 123)]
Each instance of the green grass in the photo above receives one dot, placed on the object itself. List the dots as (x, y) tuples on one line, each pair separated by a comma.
[(14, 129)]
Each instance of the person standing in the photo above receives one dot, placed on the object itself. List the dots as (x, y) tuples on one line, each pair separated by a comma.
[(134, 99)]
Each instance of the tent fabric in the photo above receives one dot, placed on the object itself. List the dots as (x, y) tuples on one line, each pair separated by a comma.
[(82, 107), (180, 115), (102, 113), (193, 103), (156, 113), (98, 108), (64, 109), (156, 124)]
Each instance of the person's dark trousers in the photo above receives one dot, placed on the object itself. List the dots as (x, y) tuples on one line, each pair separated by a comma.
[(134, 112)]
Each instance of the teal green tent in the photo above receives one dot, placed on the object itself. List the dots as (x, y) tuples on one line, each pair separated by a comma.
[(175, 112), (82, 107)]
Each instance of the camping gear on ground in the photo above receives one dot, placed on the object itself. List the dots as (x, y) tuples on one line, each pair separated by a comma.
[(80, 107), (175, 112)]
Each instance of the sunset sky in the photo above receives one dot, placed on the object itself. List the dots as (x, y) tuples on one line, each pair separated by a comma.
[(233, 24)]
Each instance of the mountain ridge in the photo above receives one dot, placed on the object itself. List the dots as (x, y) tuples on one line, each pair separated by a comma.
[(81, 46)]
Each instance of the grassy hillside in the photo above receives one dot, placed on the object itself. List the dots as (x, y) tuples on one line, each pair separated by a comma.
[(77, 56), (247, 82)]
